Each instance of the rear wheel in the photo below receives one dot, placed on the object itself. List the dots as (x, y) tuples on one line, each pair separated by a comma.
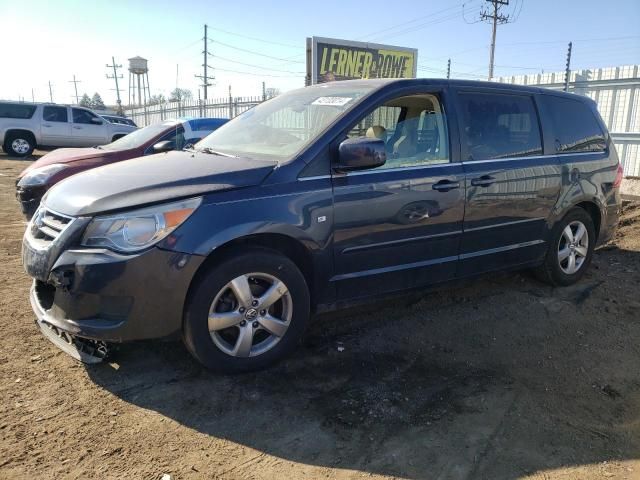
[(570, 250), (19, 144), (247, 312)]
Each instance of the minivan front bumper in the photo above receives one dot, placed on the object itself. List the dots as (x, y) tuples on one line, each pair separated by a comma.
[(105, 296)]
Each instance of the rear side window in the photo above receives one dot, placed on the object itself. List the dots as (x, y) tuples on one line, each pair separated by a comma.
[(82, 116), (575, 125), (499, 126), (54, 114), (16, 110)]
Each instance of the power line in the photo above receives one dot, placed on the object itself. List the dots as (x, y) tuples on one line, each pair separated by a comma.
[(393, 27), (253, 52), (262, 40), (256, 66), (426, 24), (259, 74)]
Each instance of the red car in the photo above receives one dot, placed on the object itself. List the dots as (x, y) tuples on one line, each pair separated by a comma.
[(59, 164)]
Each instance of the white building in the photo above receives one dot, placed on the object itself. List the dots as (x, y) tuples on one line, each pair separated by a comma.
[(616, 90)]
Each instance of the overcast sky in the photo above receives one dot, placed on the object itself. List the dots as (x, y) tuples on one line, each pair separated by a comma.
[(48, 40)]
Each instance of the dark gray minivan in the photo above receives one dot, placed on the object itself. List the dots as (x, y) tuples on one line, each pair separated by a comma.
[(316, 199)]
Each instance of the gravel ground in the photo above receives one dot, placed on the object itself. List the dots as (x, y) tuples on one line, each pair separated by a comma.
[(500, 378)]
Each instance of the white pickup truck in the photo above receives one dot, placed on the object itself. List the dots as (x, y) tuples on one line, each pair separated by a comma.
[(25, 126)]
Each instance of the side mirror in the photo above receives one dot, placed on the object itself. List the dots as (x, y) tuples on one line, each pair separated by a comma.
[(97, 121), (164, 146), (361, 153)]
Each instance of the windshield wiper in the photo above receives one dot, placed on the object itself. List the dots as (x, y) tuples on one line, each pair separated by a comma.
[(211, 151)]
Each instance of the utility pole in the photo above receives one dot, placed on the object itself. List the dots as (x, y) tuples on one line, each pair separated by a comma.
[(567, 71), (205, 76), (50, 92), (497, 19), (75, 86), (449, 68), (116, 76), (264, 92), (33, 96)]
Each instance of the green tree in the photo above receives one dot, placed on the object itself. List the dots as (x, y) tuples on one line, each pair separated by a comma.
[(85, 101), (96, 102), (180, 94)]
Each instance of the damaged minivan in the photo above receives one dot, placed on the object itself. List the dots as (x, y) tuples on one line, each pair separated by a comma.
[(320, 198)]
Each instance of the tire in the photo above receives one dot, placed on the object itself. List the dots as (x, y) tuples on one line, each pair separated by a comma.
[(19, 144), (238, 339), (565, 264), (117, 137)]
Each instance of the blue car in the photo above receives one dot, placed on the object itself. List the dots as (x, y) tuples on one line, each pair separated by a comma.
[(320, 198)]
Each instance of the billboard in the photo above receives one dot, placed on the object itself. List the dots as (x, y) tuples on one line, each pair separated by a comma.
[(330, 59)]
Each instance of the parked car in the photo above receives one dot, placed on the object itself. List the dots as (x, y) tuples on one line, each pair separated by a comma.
[(25, 126), (42, 174), (320, 198), (119, 120)]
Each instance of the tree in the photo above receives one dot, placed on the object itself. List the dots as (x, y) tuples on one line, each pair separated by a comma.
[(157, 100), (180, 94), (85, 101), (96, 102), (272, 92)]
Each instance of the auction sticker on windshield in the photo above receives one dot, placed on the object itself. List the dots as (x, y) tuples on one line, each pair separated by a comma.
[(335, 101)]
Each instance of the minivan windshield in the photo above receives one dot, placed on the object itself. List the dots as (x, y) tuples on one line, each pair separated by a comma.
[(280, 128), (137, 138)]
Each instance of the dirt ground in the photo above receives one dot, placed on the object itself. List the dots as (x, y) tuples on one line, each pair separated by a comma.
[(501, 378)]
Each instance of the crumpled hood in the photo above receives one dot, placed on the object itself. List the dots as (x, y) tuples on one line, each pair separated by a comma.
[(66, 155), (152, 179)]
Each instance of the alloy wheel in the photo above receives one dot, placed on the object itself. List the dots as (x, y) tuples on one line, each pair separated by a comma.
[(573, 247), (250, 315)]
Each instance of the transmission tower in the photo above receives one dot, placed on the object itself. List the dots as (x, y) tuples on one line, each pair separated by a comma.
[(205, 72), (497, 19)]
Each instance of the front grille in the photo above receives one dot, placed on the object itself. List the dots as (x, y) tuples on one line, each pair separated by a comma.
[(46, 225)]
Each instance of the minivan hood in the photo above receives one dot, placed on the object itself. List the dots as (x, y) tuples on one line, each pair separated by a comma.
[(152, 179)]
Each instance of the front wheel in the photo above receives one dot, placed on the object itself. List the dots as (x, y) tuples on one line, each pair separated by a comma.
[(570, 250), (247, 312)]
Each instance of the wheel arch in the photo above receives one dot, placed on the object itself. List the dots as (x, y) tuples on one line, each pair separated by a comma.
[(290, 247), (594, 212), (22, 131)]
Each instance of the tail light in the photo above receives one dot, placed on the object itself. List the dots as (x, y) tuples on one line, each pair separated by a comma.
[(618, 180)]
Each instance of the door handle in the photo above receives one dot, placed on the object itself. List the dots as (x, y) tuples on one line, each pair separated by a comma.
[(445, 185), (77, 128), (46, 125), (483, 181)]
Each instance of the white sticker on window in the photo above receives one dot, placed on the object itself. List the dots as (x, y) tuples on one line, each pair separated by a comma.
[(335, 101)]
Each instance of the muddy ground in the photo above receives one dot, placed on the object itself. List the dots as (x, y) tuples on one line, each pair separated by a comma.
[(501, 378)]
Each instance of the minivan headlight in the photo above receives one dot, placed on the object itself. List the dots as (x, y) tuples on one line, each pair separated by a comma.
[(138, 229)]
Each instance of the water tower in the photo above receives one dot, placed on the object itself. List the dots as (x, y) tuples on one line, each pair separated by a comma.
[(138, 81)]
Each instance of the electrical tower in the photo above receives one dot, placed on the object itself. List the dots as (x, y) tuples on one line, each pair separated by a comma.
[(449, 68), (205, 75), (497, 19), (116, 76), (75, 86)]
